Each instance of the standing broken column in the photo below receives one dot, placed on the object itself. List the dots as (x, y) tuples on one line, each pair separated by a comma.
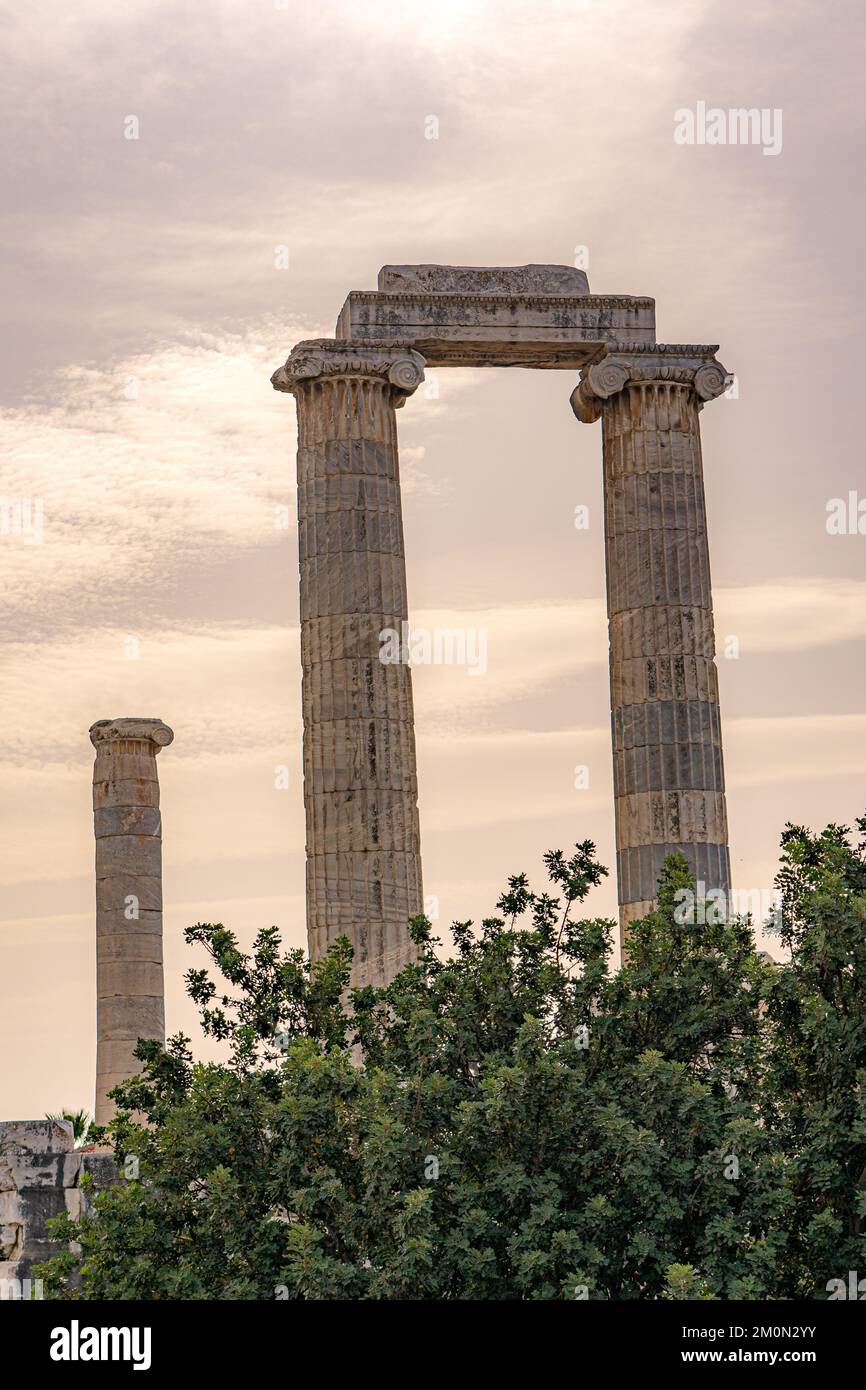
[(130, 1000), (669, 784), (360, 781)]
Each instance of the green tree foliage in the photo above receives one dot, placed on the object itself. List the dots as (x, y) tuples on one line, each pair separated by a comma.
[(515, 1122)]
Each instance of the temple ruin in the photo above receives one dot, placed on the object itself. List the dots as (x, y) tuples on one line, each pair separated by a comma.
[(360, 785), (360, 780)]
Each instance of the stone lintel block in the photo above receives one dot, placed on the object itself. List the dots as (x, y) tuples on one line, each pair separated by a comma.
[(129, 1018), (498, 330), (112, 892), (127, 977), (127, 820), (483, 279)]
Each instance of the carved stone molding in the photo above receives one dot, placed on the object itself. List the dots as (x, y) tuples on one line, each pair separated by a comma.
[(684, 364), (550, 281), (141, 730), (318, 359)]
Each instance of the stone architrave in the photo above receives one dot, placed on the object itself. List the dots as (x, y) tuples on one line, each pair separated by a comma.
[(129, 992), (484, 316), (360, 781), (669, 784)]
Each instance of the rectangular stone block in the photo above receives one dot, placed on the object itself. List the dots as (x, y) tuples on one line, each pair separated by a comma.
[(484, 279), (128, 856), (362, 821), (344, 755), (349, 636), (122, 767), (35, 1136), (147, 946), (127, 820), (127, 791), (120, 1019), (355, 582), (334, 533), (112, 893), (114, 923), (116, 1060), (126, 977), (498, 330), (345, 461), (356, 690)]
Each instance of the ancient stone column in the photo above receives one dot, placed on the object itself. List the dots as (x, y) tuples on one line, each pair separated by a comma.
[(667, 748), (129, 984), (360, 782)]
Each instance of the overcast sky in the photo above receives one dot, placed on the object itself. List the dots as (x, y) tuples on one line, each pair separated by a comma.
[(145, 313)]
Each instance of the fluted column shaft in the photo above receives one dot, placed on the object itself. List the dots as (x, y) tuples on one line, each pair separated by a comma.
[(360, 780), (669, 785), (129, 980)]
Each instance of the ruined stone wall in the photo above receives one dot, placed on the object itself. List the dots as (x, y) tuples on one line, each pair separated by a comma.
[(40, 1177)]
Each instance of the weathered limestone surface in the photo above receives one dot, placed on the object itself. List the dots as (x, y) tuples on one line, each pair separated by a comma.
[(490, 330), (484, 279), (130, 994), (360, 782), (40, 1176), (668, 774), (487, 316)]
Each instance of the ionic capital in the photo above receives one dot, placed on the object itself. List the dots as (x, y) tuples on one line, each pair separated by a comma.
[(391, 364), (107, 731), (684, 364)]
